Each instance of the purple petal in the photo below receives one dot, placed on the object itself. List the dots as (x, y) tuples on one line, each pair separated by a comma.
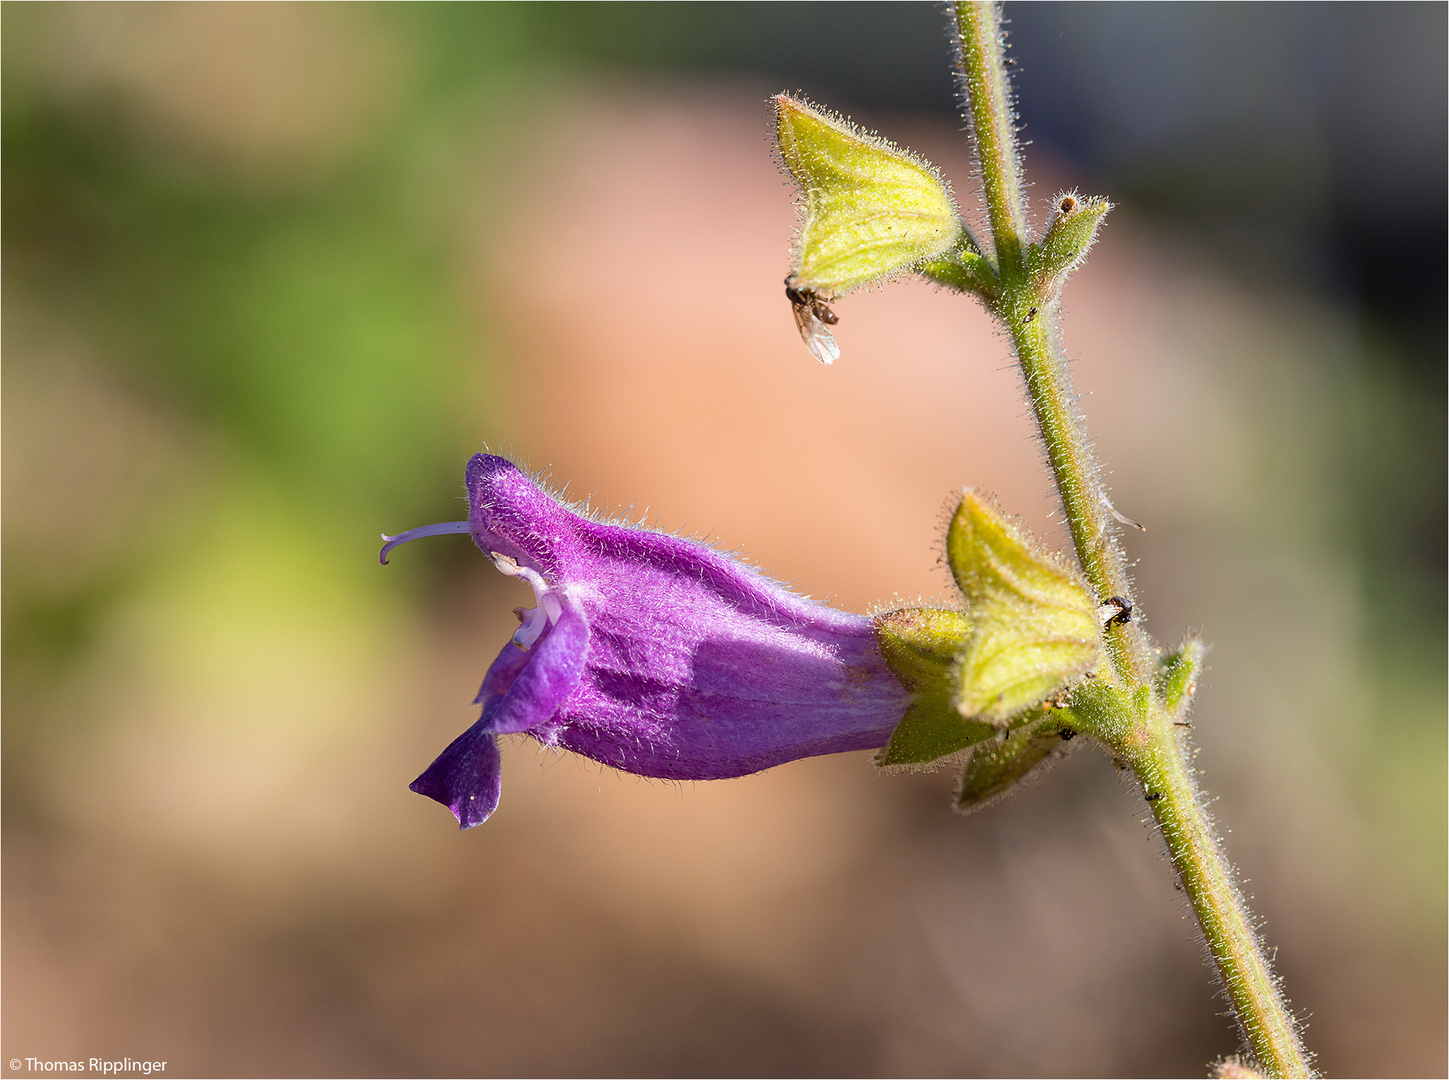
[(555, 666), (466, 777), (521, 691), (502, 672), (746, 701)]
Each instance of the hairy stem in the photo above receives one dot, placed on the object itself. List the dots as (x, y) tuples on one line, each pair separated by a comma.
[(1226, 924), (993, 124), (1144, 735), (1031, 322)]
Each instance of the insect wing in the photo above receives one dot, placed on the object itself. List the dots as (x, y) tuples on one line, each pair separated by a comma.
[(816, 335)]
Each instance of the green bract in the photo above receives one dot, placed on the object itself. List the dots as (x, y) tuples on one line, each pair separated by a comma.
[(871, 209), (1033, 622)]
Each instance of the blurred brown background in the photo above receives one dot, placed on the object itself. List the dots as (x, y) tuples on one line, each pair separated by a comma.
[(272, 272)]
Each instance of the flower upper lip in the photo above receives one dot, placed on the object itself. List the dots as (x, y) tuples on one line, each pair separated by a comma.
[(652, 653)]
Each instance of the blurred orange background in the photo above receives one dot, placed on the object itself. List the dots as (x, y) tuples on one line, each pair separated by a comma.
[(273, 272)]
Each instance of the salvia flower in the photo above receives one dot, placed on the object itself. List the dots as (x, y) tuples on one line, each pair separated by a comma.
[(651, 653)]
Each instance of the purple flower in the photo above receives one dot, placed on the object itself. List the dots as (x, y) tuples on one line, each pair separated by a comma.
[(651, 653)]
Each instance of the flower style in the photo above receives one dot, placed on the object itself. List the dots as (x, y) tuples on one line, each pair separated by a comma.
[(651, 653)]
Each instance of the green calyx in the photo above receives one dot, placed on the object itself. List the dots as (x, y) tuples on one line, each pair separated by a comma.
[(1033, 622), (872, 210), (920, 646), (1111, 713), (1027, 631), (998, 766)]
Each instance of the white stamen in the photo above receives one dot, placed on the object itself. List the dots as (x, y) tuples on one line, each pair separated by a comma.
[(546, 607), (421, 531), (528, 633)]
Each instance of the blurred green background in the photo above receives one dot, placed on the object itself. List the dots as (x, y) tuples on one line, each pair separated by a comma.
[(271, 274)]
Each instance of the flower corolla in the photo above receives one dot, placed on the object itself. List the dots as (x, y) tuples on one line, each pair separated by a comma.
[(651, 653)]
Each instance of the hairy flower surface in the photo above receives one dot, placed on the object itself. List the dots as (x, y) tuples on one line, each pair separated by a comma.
[(652, 653)]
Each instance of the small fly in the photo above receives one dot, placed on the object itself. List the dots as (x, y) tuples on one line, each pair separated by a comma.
[(1114, 611), (814, 320)]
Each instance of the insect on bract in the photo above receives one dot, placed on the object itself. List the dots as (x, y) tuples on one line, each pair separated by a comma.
[(814, 319)]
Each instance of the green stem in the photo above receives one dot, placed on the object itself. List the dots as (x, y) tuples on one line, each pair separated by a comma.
[(1031, 321), (1144, 735), (1206, 877), (993, 125)]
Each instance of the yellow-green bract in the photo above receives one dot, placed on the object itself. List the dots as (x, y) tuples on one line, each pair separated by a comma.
[(1033, 623), (871, 209)]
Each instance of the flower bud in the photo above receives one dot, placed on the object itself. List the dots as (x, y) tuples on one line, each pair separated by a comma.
[(1073, 229), (1177, 675), (1033, 622), (1233, 1068), (920, 646), (871, 209)]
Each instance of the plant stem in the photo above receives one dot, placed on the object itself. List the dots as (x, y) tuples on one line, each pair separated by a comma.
[(1226, 924), (1075, 471), (993, 124), (1144, 736)]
